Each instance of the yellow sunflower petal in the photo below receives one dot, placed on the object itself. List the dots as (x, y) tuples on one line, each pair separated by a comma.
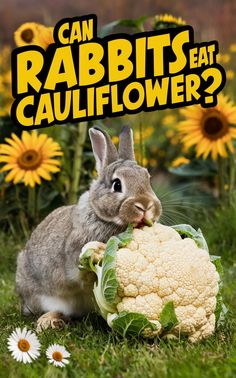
[(18, 176), (7, 167), (40, 141), (192, 142), (9, 150), (7, 159), (193, 134), (26, 177), (17, 140), (221, 149), (34, 138), (231, 115), (36, 177), (11, 174), (52, 161), (26, 138), (50, 145), (56, 153), (31, 179), (188, 126), (233, 132), (230, 146), (43, 173), (50, 168), (207, 151), (202, 147), (14, 144), (214, 151)]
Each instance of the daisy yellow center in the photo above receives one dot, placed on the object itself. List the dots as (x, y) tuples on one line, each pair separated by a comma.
[(214, 125), (30, 159), (27, 35), (57, 356), (23, 345)]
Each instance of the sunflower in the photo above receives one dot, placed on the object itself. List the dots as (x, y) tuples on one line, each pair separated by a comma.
[(164, 21), (30, 158), (32, 33), (45, 37), (26, 34), (232, 47), (229, 74), (211, 130)]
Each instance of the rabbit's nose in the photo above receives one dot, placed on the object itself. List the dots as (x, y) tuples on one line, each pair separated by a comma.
[(139, 206), (143, 208)]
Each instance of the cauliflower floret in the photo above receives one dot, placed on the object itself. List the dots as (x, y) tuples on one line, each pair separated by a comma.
[(158, 266), (158, 279)]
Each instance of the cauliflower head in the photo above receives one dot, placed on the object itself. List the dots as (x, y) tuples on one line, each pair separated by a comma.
[(157, 280)]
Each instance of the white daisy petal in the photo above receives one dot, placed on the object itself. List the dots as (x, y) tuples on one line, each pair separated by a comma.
[(24, 333), (14, 336), (18, 332), (24, 358), (58, 363), (57, 355), (23, 345)]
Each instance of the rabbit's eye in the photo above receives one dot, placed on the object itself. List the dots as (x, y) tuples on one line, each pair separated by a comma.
[(116, 185)]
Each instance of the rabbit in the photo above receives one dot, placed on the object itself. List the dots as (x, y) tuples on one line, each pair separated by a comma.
[(48, 279)]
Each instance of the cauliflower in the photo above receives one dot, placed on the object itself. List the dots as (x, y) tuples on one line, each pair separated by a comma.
[(154, 282)]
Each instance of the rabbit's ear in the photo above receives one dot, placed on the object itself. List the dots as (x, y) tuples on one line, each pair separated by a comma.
[(103, 148), (126, 145)]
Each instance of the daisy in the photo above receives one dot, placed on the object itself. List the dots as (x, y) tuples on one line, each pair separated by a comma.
[(23, 345), (57, 355)]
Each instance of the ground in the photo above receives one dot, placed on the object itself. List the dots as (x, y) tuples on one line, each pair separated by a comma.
[(96, 352)]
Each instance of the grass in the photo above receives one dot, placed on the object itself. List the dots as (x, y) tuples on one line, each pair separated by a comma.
[(96, 352)]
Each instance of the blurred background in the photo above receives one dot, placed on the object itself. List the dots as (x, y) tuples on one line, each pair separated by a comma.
[(211, 19)]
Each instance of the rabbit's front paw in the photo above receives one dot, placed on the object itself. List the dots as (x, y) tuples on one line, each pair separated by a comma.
[(51, 319)]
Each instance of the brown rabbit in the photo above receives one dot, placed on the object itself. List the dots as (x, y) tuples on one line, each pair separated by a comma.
[(47, 278)]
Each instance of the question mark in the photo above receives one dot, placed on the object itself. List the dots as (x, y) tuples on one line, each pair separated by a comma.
[(217, 80)]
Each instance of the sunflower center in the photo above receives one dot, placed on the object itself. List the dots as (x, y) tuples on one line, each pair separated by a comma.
[(214, 125), (27, 35), (30, 159), (23, 345), (57, 356)]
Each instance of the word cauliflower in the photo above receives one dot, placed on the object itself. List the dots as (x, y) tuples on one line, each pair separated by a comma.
[(156, 280)]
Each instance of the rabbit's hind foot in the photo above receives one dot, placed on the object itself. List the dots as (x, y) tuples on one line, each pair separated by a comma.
[(52, 319)]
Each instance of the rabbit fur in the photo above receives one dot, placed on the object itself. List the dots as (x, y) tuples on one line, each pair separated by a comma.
[(47, 277)]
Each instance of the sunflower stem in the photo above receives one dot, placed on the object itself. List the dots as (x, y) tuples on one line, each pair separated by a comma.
[(32, 202), (232, 174), (223, 184), (141, 142), (77, 163), (23, 220)]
